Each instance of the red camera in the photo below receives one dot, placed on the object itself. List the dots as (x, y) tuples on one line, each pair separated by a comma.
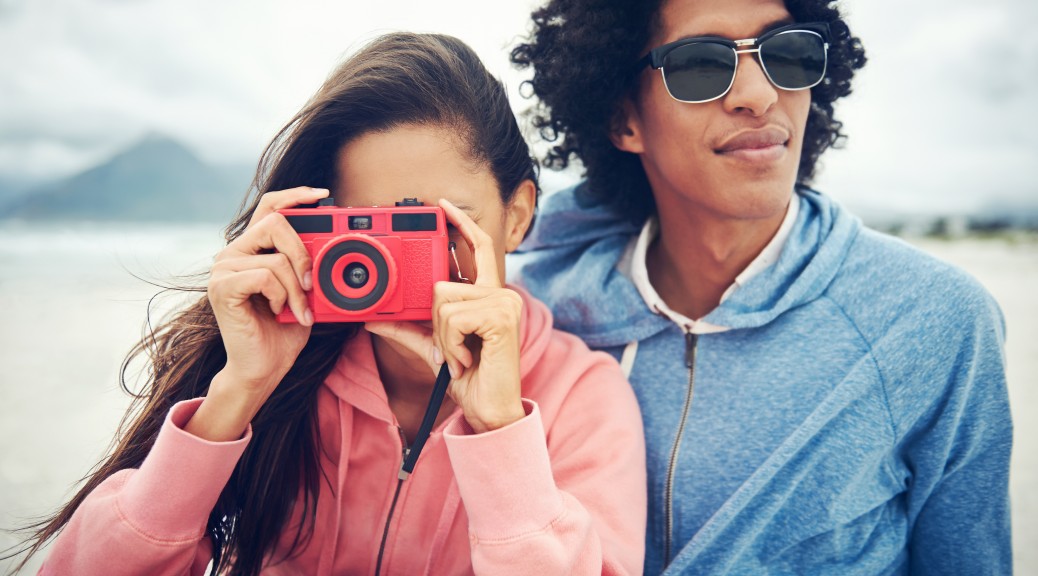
[(377, 263)]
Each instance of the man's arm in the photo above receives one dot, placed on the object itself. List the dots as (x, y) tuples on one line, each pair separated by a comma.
[(959, 451)]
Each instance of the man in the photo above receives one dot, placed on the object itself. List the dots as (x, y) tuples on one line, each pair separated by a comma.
[(818, 398)]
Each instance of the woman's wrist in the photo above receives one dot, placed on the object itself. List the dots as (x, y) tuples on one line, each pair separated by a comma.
[(499, 419), (226, 411)]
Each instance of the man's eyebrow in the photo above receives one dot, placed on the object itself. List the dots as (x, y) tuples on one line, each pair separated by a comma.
[(776, 24), (763, 30)]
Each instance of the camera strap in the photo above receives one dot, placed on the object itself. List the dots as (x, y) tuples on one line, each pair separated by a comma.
[(435, 402)]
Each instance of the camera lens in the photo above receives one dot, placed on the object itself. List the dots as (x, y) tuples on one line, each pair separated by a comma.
[(355, 275)]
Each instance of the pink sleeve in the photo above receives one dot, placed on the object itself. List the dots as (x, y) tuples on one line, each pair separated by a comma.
[(575, 506), (152, 520)]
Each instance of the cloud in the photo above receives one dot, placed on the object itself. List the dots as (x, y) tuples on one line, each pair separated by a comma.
[(83, 78), (941, 116)]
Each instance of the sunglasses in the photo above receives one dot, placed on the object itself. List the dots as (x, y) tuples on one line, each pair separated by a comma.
[(702, 68)]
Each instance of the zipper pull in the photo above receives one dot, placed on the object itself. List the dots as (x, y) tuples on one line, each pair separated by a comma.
[(403, 474), (405, 451), (690, 349)]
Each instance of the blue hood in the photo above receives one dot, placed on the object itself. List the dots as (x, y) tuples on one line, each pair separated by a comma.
[(569, 260)]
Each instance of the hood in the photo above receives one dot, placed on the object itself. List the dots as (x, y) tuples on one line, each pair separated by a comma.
[(564, 220), (569, 261), (355, 378)]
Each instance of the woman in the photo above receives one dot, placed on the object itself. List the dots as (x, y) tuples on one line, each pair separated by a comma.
[(275, 448)]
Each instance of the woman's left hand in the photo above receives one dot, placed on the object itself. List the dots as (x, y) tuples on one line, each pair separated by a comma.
[(475, 330)]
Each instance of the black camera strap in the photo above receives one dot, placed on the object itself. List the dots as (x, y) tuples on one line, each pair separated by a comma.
[(435, 401)]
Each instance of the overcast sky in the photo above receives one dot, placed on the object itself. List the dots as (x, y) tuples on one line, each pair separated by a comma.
[(942, 116)]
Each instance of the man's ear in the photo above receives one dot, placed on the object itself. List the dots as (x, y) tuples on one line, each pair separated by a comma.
[(626, 131), (519, 214)]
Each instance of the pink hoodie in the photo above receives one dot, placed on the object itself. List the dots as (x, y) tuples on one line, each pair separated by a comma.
[(561, 491)]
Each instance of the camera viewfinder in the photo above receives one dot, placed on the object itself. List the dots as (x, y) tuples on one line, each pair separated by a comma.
[(360, 222)]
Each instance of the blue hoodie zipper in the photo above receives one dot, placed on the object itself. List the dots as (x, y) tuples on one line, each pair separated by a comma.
[(691, 340)]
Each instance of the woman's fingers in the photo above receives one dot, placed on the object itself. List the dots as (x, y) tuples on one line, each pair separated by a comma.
[(289, 290), (450, 339), (482, 335), (279, 200), (480, 242), (411, 335), (273, 233), (229, 291), (269, 230), (461, 310)]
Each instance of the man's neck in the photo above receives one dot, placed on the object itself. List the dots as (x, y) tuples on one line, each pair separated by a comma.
[(696, 256)]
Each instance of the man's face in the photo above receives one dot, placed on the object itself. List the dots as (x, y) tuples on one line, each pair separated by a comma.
[(732, 158)]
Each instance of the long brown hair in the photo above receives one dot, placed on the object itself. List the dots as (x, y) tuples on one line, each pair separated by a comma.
[(395, 80)]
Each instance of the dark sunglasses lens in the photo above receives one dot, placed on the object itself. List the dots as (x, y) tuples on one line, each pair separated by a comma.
[(794, 60), (699, 72)]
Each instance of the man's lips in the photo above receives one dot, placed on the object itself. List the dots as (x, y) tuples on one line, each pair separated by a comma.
[(753, 140)]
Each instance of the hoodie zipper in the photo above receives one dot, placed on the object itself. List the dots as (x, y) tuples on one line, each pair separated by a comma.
[(392, 506), (691, 341)]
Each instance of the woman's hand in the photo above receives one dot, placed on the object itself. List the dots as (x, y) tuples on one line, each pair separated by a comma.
[(475, 330), (248, 286)]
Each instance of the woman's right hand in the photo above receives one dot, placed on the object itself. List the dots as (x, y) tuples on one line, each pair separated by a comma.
[(248, 287)]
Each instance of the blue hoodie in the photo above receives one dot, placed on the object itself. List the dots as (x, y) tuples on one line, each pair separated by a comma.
[(853, 420)]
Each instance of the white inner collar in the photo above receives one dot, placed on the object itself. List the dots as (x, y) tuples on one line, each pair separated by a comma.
[(634, 266)]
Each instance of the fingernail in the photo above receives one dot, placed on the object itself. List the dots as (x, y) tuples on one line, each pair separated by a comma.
[(320, 190), (454, 374), (308, 281), (437, 356), (308, 317)]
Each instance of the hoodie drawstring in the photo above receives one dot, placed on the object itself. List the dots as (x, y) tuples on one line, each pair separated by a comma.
[(443, 527), (331, 541), (627, 358)]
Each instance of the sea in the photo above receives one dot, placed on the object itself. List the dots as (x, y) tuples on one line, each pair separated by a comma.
[(75, 298)]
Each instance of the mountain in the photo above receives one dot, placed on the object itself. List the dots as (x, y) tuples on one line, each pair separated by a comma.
[(157, 179), (11, 188)]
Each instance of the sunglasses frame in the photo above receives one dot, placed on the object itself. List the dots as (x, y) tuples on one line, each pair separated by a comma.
[(656, 56)]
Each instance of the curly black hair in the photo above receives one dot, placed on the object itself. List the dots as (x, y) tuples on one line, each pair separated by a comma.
[(582, 53)]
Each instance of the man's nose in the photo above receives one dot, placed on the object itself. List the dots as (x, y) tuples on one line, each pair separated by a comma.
[(751, 91)]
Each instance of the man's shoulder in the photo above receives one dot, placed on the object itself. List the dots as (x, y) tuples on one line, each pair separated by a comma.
[(921, 318), (884, 274), (565, 220), (876, 275)]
